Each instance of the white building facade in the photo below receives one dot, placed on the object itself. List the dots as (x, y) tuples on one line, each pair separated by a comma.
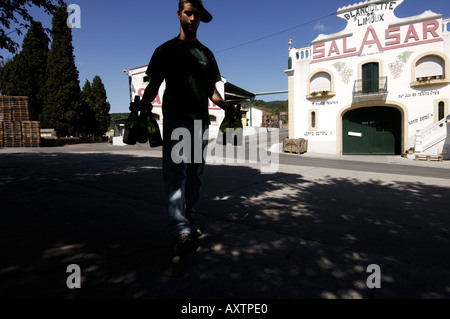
[(380, 86)]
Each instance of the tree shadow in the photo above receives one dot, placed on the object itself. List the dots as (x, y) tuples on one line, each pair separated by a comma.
[(267, 236)]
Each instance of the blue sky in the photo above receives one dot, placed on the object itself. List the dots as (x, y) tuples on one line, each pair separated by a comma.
[(118, 35)]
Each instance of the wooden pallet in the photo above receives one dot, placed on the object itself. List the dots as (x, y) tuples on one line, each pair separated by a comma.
[(20, 109), (12, 134), (12, 128), (15, 108), (31, 134), (5, 113), (299, 146), (20, 134), (31, 143), (2, 135), (430, 158), (30, 129)]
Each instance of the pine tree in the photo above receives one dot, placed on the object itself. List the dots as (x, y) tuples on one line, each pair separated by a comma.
[(101, 107), (95, 118), (2, 67), (16, 12), (9, 81), (25, 73), (87, 117), (35, 51), (62, 89)]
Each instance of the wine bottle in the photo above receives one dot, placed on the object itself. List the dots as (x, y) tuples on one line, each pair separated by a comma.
[(153, 131), (233, 121), (142, 123), (130, 133)]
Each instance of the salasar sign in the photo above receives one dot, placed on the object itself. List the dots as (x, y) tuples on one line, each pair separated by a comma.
[(382, 30)]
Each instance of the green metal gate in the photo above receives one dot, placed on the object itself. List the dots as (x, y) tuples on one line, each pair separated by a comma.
[(372, 131)]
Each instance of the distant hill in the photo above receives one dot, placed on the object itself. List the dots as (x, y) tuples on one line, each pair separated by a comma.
[(117, 116), (272, 107)]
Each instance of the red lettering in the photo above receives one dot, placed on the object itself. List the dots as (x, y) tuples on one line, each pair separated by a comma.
[(366, 41), (345, 47), (319, 50), (430, 27), (334, 48), (394, 37), (411, 34), (157, 101), (211, 104)]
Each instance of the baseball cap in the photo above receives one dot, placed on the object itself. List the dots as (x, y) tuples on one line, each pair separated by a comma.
[(205, 16)]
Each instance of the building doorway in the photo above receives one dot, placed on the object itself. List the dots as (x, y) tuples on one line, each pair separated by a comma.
[(372, 131)]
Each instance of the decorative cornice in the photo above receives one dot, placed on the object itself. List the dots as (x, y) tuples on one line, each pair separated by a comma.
[(361, 4)]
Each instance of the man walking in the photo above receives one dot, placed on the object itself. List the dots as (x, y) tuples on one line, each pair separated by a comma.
[(191, 73)]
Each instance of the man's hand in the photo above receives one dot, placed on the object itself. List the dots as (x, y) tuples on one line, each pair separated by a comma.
[(142, 105), (146, 105), (231, 110)]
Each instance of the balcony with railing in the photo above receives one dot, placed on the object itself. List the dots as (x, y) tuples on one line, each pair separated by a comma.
[(370, 89)]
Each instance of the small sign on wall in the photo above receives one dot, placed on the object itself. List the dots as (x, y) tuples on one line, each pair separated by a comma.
[(356, 134)]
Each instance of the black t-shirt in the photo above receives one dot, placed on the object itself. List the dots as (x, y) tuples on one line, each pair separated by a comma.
[(189, 69)]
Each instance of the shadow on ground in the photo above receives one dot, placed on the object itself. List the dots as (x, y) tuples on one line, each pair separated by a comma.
[(267, 236)]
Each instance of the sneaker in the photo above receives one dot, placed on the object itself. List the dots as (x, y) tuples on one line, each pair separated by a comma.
[(196, 232), (185, 244)]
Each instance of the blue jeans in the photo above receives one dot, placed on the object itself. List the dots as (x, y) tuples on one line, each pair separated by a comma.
[(183, 168)]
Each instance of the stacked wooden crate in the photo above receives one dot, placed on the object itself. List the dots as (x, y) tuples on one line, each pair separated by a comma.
[(1, 135), (16, 129), (5, 109), (20, 108), (12, 134), (31, 136)]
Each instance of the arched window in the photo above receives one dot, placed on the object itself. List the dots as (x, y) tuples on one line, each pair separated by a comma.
[(441, 110), (320, 82), (313, 119), (430, 66)]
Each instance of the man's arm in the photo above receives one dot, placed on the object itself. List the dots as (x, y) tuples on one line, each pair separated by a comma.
[(150, 94), (218, 100), (152, 90)]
